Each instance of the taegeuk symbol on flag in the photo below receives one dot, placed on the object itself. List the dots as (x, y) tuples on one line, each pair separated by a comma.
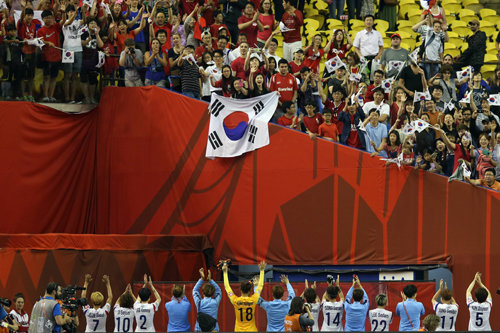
[(238, 126)]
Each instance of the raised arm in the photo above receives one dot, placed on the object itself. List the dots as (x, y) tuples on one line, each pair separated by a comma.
[(468, 293), (447, 141), (262, 269), (480, 283), (106, 281), (436, 295), (155, 292), (88, 279)]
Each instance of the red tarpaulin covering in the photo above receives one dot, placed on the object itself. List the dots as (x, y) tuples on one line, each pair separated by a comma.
[(136, 165)]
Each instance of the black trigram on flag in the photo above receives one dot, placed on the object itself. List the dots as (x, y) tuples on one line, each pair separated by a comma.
[(216, 108), (214, 140), (253, 132), (258, 107)]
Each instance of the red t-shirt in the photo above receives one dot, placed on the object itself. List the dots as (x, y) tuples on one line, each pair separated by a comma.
[(120, 40), (329, 131), (312, 123), (336, 52), (284, 121), (285, 85), (199, 51), (51, 34), (265, 20), (238, 66), (214, 30), (459, 155), (188, 6), (250, 31), (208, 13), (292, 22), (25, 32), (335, 113), (394, 114), (225, 90), (313, 58), (295, 68), (166, 27)]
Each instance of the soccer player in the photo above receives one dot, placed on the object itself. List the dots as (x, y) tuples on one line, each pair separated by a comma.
[(480, 309), (447, 309), (380, 318), (96, 316), (333, 310), (145, 311), (244, 305), (277, 309), (209, 304), (124, 311), (409, 309), (313, 302), (355, 313)]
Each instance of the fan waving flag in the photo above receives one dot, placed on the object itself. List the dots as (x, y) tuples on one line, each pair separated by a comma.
[(395, 65), (422, 96), (238, 126), (333, 64), (387, 85)]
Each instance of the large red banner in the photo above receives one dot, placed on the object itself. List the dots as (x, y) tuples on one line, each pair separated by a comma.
[(136, 165)]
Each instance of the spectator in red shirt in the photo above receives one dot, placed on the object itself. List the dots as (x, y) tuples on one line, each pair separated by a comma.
[(249, 24), (290, 118), (286, 85), (298, 62), (293, 20), (328, 130), (267, 21), (238, 65), (312, 120), (51, 54), (214, 27), (336, 46), (314, 54), (161, 24), (378, 77), (206, 46), (26, 29)]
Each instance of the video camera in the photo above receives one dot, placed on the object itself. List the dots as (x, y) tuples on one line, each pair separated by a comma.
[(70, 302)]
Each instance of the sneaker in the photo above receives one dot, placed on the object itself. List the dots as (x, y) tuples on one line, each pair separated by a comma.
[(71, 102), (46, 100), (53, 100), (79, 102)]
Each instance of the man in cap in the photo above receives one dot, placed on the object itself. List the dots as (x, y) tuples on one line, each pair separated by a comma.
[(474, 54), (393, 58)]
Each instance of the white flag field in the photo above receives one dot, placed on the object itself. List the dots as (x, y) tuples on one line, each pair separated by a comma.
[(238, 126)]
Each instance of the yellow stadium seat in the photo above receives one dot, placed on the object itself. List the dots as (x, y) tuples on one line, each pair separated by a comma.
[(487, 12), (458, 23), (492, 51), (487, 74), (490, 32), (403, 24), (333, 22), (408, 11), (490, 58), (450, 48), (320, 5), (469, 2), (452, 8), (487, 23), (406, 2), (454, 38), (381, 26), (356, 23), (465, 13), (490, 46), (462, 31), (387, 43), (311, 24), (320, 19), (447, 2), (311, 12)]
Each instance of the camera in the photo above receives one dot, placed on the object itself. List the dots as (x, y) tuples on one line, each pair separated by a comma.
[(5, 302), (131, 50), (330, 279), (71, 304)]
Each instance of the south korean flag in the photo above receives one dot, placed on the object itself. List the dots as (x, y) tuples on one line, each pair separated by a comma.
[(395, 66), (421, 96), (465, 73), (333, 64), (238, 126), (387, 85), (494, 100), (68, 57)]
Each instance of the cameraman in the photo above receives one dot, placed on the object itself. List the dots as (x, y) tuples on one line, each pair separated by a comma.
[(46, 316), (299, 317), (132, 59), (8, 323)]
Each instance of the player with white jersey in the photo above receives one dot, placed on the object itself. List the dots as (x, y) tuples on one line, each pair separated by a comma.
[(481, 308), (314, 302), (333, 310), (145, 311), (19, 314), (124, 312), (380, 318), (447, 309), (96, 316)]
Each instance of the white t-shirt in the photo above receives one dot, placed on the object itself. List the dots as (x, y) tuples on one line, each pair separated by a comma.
[(448, 314), (217, 74), (124, 319), (315, 307), (479, 315), (144, 316), (23, 320), (332, 316), (96, 318), (72, 36), (380, 319), (382, 108)]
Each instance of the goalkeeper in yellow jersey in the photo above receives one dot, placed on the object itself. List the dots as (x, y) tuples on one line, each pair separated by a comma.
[(244, 305)]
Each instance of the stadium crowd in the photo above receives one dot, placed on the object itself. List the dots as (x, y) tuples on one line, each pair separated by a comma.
[(292, 314), (344, 88)]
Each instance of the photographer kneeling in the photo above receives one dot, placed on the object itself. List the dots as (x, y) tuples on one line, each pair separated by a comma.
[(46, 316), (132, 59), (299, 317)]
